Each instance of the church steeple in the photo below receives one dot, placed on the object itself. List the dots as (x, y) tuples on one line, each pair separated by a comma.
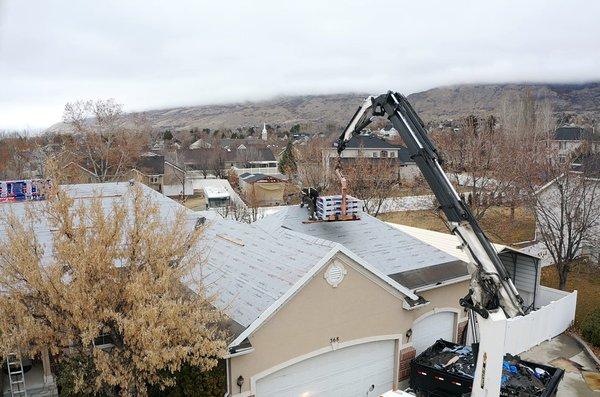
[(263, 135)]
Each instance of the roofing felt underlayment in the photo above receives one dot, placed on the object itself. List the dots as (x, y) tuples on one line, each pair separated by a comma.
[(388, 249)]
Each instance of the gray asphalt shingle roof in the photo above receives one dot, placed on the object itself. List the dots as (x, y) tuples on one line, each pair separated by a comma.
[(249, 268), (575, 134), (389, 250), (246, 268)]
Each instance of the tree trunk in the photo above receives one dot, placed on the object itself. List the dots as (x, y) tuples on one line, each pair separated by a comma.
[(563, 272)]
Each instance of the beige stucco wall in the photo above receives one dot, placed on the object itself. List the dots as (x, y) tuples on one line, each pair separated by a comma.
[(264, 193), (360, 307)]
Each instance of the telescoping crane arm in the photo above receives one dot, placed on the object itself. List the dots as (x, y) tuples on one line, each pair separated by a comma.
[(491, 287)]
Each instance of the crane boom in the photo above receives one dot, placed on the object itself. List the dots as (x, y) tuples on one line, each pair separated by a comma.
[(491, 287)]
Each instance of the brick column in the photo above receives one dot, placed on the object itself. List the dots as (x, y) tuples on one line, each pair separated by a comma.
[(406, 355), (460, 332)]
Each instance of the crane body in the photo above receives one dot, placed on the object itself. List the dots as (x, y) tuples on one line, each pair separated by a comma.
[(492, 294)]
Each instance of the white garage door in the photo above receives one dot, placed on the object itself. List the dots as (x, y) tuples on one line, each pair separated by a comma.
[(346, 372), (431, 328)]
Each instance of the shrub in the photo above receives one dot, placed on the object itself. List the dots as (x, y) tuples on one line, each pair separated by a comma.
[(590, 327), (194, 382)]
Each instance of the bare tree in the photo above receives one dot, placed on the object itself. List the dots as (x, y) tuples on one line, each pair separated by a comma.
[(373, 181), (16, 155), (526, 157), (106, 143), (475, 155), (568, 218), (311, 166)]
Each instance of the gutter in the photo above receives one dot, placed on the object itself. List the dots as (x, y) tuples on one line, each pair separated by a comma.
[(442, 284)]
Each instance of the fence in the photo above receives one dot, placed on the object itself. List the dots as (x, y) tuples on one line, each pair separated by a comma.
[(555, 315)]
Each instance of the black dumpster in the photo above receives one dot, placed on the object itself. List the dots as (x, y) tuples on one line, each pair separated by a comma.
[(446, 369)]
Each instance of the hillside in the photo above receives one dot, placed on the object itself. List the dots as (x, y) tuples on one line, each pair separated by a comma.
[(319, 110), (453, 101)]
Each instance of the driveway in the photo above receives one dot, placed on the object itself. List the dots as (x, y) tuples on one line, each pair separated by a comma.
[(564, 352)]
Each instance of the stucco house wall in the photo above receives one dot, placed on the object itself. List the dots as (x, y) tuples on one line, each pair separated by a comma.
[(362, 308)]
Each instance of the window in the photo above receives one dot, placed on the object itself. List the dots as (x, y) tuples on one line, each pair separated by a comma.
[(155, 179), (562, 145), (392, 154), (104, 340), (384, 153), (375, 154)]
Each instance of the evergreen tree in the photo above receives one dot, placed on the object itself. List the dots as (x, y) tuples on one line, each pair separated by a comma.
[(287, 163)]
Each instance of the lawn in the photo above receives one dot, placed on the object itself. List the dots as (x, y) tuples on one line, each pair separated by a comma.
[(195, 203), (585, 278), (496, 223)]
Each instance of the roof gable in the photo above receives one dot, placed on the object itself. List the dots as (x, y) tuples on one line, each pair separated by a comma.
[(308, 276)]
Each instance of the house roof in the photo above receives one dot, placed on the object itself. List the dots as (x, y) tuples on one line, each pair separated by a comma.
[(151, 164), (375, 142), (251, 178), (390, 250), (249, 269), (200, 157), (573, 133), (108, 193), (447, 242), (249, 154), (370, 141), (588, 164)]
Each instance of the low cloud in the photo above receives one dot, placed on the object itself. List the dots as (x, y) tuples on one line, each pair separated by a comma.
[(151, 54)]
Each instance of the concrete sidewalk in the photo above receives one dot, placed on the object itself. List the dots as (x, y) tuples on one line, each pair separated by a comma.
[(566, 353)]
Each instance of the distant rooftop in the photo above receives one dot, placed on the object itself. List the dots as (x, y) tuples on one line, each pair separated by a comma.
[(255, 177), (574, 133), (588, 164), (215, 192), (372, 141), (369, 142)]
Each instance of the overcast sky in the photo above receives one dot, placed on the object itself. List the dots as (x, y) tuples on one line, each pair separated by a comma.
[(155, 54)]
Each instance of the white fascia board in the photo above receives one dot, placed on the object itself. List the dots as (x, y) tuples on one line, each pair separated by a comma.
[(275, 306), (443, 283)]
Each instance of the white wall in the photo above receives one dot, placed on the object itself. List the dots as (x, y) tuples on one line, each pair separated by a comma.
[(177, 189), (550, 320)]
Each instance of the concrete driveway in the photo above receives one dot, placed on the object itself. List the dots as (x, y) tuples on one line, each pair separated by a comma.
[(564, 352)]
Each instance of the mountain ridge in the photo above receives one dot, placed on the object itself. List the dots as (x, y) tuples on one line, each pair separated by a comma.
[(316, 111)]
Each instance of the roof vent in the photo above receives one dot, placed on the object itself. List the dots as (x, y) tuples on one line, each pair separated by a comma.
[(200, 222)]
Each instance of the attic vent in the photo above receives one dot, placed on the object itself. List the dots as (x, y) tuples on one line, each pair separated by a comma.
[(335, 274)]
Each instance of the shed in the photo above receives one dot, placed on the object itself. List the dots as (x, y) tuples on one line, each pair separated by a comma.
[(524, 269)]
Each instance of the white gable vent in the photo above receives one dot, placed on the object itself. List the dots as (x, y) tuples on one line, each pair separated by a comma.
[(335, 274)]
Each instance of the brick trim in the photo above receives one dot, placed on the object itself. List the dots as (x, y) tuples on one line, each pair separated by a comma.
[(406, 356), (461, 331)]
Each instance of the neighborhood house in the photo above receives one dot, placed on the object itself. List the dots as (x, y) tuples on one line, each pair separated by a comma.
[(329, 308)]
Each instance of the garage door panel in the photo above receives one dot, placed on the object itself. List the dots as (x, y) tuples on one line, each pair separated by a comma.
[(345, 372), (431, 328)]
